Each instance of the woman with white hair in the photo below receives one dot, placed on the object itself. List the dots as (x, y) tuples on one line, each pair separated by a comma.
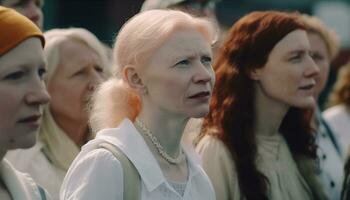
[(165, 78), (77, 62)]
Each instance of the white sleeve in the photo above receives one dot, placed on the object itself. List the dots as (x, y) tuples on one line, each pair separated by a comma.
[(96, 175)]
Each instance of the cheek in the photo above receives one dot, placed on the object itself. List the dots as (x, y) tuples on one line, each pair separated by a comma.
[(68, 91), (324, 71), (10, 98), (9, 109)]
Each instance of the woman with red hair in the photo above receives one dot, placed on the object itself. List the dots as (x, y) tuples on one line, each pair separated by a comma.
[(256, 142)]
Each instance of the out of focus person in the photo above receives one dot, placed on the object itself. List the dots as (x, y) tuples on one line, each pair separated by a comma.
[(76, 64), (199, 8), (22, 96), (345, 195), (338, 115), (164, 78), (29, 8), (256, 142), (324, 48)]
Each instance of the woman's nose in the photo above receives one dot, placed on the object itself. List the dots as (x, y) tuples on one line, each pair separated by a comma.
[(38, 95), (312, 69)]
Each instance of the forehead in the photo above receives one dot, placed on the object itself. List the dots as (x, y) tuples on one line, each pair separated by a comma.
[(316, 42), (27, 53), (183, 43), (76, 53), (294, 41)]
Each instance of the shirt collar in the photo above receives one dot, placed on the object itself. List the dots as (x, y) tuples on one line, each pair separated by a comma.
[(127, 138), (12, 181)]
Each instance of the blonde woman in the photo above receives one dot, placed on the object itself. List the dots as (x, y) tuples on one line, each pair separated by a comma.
[(324, 45), (338, 115), (165, 78), (76, 63)]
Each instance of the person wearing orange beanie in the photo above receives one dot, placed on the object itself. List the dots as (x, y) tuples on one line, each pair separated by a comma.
[(22, 96)]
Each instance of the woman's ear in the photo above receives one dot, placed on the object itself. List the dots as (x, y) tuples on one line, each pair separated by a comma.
[(254, 74), (133, 79)]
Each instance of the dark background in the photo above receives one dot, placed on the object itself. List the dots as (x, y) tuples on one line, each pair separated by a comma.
[(105, 17)]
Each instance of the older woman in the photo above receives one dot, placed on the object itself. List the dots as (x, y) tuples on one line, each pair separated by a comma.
[(256, 142), (22, 95), (164, 61), (77, 62)]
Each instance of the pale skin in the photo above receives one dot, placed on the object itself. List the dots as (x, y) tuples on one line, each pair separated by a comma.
[(321, 57), (78, 73), (289, 60), (22, 94), (185, 52)]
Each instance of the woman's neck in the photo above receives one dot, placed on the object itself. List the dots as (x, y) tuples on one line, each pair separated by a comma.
[(269, 113), (77, 132), (166, 128)]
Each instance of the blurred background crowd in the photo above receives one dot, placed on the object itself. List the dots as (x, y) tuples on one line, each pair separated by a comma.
[(79, 37)]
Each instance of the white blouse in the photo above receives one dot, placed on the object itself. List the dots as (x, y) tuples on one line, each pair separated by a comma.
[(20, 185), (97, 174), (338, 118), (34, 162)]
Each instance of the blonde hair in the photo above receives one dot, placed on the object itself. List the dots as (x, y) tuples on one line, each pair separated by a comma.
[(136, 42), (341, 89), (50, 133), (56, 37), (331, 39)]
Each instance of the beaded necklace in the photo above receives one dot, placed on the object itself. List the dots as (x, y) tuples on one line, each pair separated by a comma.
[(158, 146)]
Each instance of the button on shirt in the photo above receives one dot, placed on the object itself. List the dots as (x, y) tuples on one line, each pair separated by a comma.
[(331, 164), (97, 174)]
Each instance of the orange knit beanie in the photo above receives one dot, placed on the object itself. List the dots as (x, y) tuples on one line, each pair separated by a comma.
[(14, 29)]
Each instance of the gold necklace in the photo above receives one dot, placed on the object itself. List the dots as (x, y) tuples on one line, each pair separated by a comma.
[(158, 146)]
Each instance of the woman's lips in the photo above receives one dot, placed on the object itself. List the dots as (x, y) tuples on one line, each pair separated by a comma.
[(32, 121), (200, 95), (307, 87)]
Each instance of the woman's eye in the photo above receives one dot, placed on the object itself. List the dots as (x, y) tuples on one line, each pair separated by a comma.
[(206, 60), (41, 73), (15, 75), (99, 69), (183, 62), (39, 3), (317, 57), (78, 73), (295, 58)]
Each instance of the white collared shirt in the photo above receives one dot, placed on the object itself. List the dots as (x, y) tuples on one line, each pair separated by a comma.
[(20, 185), (97, 174)]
